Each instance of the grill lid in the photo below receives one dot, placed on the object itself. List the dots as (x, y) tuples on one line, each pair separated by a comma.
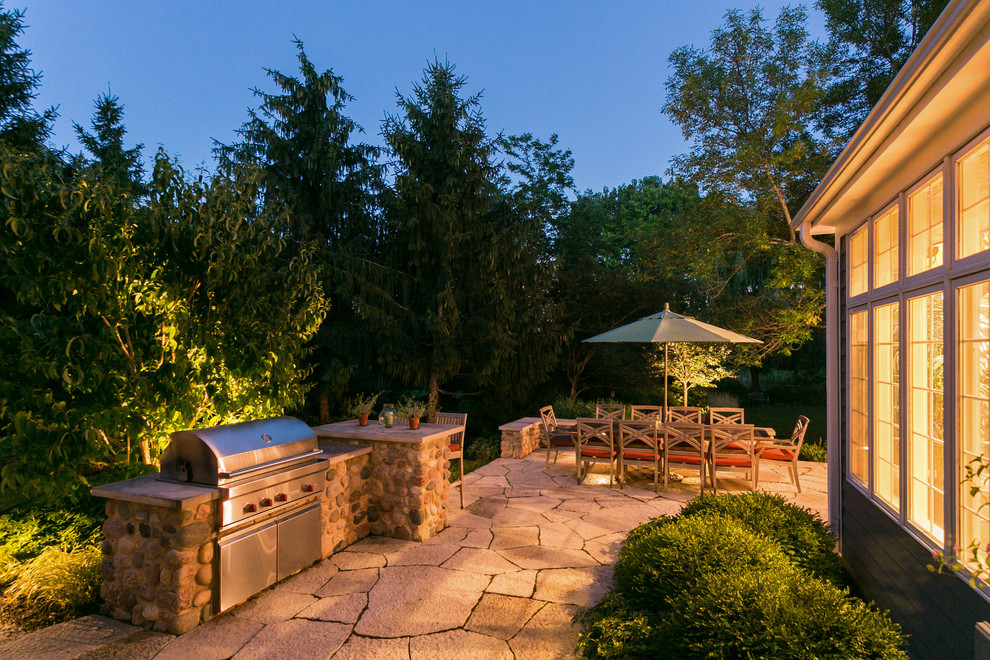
[(209, 456)]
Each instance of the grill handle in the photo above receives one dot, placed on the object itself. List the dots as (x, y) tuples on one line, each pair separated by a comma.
[(237, 474)]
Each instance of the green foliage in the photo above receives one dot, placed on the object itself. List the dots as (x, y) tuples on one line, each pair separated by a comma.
[(705, 584), (409, 408), (812, 451), (21, 127), (797, 531), (131, 322), (56, 584), (483, 448), (113, 163), (692, 364), (25, 534)]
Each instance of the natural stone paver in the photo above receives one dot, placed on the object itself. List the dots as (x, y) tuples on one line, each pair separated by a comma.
[(514, 537), (504, 579), (364, 648), (414, 600), (501, 616), (308, 581), (458, 645), (273, 606), (549, 634), (343, 609), (218, 639), (349, 582), (545, 557), (350, 561), (67, 640), (474, 560), (519, 583), (142, 644), (422, 555), (297, 638), (573, 586)]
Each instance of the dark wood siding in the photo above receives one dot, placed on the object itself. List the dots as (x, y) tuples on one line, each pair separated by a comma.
[(938, 612)]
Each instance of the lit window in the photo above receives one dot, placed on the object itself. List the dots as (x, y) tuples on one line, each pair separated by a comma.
[(973, 425), (925, 415), (886, 405), (858, 272), (859, 448), (974, 201), (925, 227), (885, 252)]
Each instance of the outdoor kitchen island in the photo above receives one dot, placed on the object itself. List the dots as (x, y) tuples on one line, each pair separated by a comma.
[(409, 475)]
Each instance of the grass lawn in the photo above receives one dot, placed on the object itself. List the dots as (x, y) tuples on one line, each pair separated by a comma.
[(783, 418)]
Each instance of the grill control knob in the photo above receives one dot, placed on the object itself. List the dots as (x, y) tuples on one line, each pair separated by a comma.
[(281, 497), (308, 488), (250, 508), (266, 502)]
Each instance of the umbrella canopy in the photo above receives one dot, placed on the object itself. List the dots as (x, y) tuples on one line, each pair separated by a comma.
[(666, 327)]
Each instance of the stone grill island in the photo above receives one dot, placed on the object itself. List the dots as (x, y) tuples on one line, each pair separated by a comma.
[(163, 540)]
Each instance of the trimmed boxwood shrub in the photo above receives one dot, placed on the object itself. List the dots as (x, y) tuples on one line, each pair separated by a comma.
[(800, 533), (706, 584)]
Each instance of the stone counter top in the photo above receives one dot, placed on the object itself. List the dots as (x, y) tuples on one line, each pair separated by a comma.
[(523, 422), (374, 432), (150, 490), (335, 453)]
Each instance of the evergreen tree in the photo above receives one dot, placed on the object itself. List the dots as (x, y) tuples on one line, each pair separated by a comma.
[(115, 165), (463, 259), (21, 127), (299, 140)]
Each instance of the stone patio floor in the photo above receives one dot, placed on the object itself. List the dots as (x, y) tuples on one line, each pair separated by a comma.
[(503, 580)]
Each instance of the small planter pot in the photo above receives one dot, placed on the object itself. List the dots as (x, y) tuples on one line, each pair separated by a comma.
[(362, 420), (414, 422)]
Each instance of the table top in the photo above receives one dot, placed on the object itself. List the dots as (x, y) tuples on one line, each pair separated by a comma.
[(760, 433), (400, 431)]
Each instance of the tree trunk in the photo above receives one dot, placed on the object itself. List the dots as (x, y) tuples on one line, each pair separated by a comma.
[(754, 376), (324, 408), (145, 452), (433, 390), (685, 394)]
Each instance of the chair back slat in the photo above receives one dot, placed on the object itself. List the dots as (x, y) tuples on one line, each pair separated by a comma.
[(638, 435), (595, 433), (685, 414), (800, 429), (454, 419), (646, 412), (689, 435), (726, 415), (610, 411)]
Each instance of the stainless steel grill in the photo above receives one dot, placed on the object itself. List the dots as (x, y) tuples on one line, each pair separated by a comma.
[(270, 478)]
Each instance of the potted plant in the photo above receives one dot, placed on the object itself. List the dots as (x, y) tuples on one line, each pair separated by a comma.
[(412, 409), (362, 407)]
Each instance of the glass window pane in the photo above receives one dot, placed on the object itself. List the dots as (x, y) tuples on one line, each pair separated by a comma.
[(885, 243), (886, 465), (925, 419), (925, 227), (858, 397), (858, 254), (974, 205)]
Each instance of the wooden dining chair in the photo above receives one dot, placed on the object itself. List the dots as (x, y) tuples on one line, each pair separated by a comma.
[(684, 443), (610, 411), (726, 415), (556, 438), (786, 451), (455, 446), (638, 444), (646, 412), (730, 447), (596, 444), (685, 414)]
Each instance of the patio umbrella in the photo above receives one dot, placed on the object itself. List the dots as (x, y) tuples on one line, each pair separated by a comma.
[(666, 328)]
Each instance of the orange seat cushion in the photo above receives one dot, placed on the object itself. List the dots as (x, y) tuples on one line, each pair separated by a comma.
[(454, 447), (694, 459), (774, 454), (598, 453), (637, 456), (733, 461)]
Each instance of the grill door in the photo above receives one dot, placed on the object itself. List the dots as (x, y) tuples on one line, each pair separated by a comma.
[(248, 564), (299, 542)]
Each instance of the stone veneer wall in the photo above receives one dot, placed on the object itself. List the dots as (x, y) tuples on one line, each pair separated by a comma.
[(158, 564), (521, 438), (346, 505), (411, 482)]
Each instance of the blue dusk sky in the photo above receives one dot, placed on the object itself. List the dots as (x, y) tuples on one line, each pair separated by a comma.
[(592, 72)]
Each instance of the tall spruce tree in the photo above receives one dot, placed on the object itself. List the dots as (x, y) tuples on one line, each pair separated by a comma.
[(300, 141), (463, 258), (114, 164), (21, 126)]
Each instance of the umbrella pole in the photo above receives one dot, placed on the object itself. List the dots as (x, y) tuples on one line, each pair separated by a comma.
[(665, 417)]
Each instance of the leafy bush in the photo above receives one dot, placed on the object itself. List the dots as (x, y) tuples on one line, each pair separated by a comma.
[(800, 533), (564, 408), (483, 448), (55, 584), (724, 579), (812, 451), (26, 534)]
